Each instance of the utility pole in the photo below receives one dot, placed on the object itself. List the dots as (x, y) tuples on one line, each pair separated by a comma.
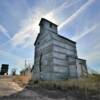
[(25, 64)]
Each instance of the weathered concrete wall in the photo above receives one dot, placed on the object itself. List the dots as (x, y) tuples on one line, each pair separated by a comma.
[(53, 76), (55, 56), (61, 63), (63, 40), (43, 52), (81, 68), (47, 26)]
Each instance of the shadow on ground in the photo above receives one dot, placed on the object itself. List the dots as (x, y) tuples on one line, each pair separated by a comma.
[(36, 93), (39, 93)]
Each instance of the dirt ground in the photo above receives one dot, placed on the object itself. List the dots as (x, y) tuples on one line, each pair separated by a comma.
[(10, 90)]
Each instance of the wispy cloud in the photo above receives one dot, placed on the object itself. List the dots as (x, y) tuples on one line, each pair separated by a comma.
[(51, 15), (93, 56), (97, 46), (5, 43), (13, 58), (4, 31), (76, 14), (26, 19), (29, 29), (82, 34), (29, 26)]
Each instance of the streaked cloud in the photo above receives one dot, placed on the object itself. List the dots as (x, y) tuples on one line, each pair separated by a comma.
[(29, 29), (76, 14), (12, 57), (93, 56), (29, 26), (23, 26), (97, 46), (4, 31), (82, 34), (52, 14)]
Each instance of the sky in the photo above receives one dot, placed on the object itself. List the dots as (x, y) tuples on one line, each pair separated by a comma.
[(78, 20)]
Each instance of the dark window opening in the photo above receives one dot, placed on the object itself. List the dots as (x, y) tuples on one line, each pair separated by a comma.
[(40, 62), (38, 43), (51, 25)]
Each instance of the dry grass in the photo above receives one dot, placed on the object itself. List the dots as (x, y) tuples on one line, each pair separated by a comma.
[(21, 80), (84, 89), (92, 83)]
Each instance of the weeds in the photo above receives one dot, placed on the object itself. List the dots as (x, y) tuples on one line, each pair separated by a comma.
[(92, 83), (21, 80)]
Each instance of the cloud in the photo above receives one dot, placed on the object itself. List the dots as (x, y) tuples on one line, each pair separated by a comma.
[(29, 26), (76, 14), (52, 14), (93, 56), (97, 46), (82, 34), (12, 59), (4, 31), (28, 30)]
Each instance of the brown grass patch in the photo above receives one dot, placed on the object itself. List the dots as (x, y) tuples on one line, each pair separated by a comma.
[(92, 83), (21, 80)]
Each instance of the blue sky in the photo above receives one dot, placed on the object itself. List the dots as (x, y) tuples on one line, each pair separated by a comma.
[(78, 20)]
